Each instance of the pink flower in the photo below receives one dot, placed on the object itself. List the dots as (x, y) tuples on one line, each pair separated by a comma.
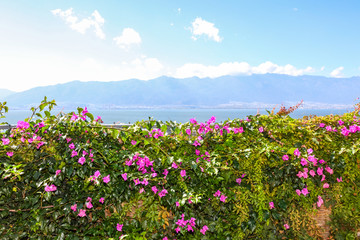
[(82, 213), (326, 185), (196, 143), (71, 145), (154, 189), (285, 157), (189, 228), (197, 152), (74, 153), (261, 129), (85, 111), (119, 227), (300, 174), (329, 170), (97, 174), (286, 226), (339, 179), (271, 204), (322, 125), (68, 140), (320, 201), (106, 179), (177, 230), (310, 151), (305, 191), (10, 154), (238, 180), (39, 144), (98, 119), (81, 160), (217, 194), (223, 198), (57, 172), (177, 204), (165, 238), (204, 229), (298, 192), (303, 162), (174, 165), (142, 190), (345, 131), (101, 200), (297, 152), (323, 178), (312, 173), (124, 176), (320, 171), (51, 188), (5, 141), (340, 122), (133, 142), (74, 207), (74, 117), (188, 131), (41, 124), (166, 172), (22, 125), (163, 193), (183, 173), (88, 205), (136, 181)]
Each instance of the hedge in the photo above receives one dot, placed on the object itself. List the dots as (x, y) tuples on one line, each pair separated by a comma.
[(66, 176)]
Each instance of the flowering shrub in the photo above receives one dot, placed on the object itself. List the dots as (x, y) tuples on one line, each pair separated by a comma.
[(66, 176)]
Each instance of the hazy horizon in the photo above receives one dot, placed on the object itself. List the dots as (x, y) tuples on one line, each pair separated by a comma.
[(54, 42)]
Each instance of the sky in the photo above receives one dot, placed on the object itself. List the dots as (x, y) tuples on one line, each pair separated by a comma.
[(58, 41)]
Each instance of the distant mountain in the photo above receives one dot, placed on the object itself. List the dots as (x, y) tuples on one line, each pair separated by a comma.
[(226, 91), (4, 93)]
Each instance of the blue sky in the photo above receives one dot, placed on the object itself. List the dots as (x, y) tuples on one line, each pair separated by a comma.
[(50, 42)]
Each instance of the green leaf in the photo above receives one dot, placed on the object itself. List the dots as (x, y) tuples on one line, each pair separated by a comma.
[(164, 128), (89, 115), (291, 151)]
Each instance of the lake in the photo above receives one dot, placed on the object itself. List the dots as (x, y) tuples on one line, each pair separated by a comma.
[(178, 115)]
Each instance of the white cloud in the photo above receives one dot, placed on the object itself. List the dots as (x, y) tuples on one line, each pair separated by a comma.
[(337, 72), (179, 10), (202, 27), (143, 68), (128, 37), (95, 21), (322, 68), (20, 73), (269, 67), (237, 68)]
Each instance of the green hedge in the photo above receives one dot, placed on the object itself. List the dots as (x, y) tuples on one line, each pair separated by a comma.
[(68, 177)]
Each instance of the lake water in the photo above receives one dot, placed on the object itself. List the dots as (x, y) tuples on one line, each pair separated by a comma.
[(178, 115)]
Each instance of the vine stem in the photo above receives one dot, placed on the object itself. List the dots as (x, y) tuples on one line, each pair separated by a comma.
[(24, 210)]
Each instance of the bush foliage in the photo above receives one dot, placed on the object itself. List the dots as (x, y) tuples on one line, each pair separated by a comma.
[(264, 177)]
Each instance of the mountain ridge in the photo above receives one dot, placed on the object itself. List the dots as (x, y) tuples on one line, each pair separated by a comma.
[(194, 92)]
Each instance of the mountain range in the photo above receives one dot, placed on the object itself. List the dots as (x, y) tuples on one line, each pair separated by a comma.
[(223, 92)]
